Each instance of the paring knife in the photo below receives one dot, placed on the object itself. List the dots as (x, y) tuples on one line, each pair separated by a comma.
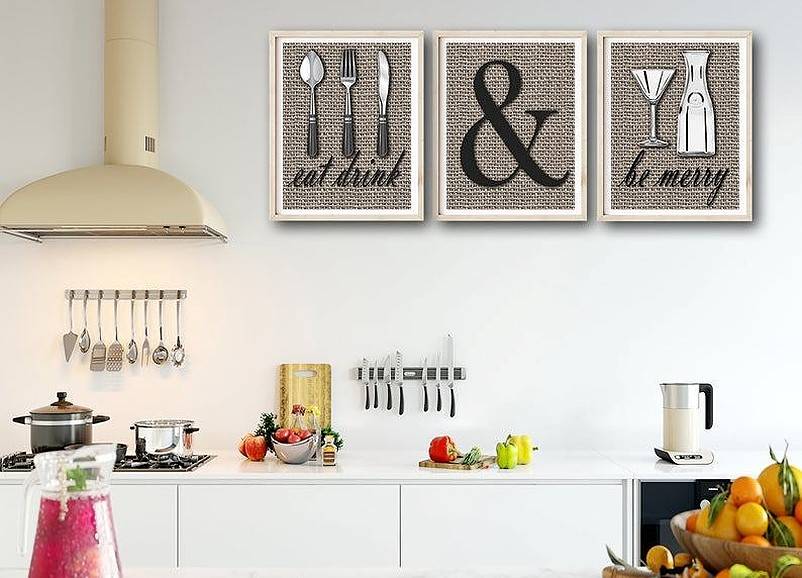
[(388, 379), (424, 379), (437, 381), (366, 381), (399, 377), (376, 384), (450, 349), (382, 130)]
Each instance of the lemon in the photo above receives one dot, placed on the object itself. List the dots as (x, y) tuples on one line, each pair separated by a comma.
[(752, 520)]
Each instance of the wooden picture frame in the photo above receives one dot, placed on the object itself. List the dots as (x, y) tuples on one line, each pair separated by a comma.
[(576, 196), (350, 209), (610, 202)]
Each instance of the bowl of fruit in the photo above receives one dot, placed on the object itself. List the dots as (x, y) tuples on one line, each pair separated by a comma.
[(295, 446), (753, 522)]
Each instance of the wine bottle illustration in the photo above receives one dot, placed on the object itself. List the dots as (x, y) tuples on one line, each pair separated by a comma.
[(696, 122)]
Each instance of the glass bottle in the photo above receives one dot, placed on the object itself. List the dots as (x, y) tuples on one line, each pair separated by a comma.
[(329, 452), (696, 123), (75, 531)]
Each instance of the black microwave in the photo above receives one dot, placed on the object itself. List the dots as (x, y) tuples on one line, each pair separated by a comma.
[(662, 500)]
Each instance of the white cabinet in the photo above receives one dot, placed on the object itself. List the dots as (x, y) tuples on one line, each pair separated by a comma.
[(535, 526), (145, 519), (287, 525)]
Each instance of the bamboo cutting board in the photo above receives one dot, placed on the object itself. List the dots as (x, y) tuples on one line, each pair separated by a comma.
[(306, 384), (483, 463)]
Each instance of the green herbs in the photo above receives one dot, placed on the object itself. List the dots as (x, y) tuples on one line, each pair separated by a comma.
[(266, 427), (787, 480), (472, 456), (78, 477), (338, 440)]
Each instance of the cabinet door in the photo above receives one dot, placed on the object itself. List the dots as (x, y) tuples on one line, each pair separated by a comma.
[(144, 518), (557, 527), (334, 526)]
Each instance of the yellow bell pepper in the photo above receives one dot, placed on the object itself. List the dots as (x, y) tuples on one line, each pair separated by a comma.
[(524, 444)]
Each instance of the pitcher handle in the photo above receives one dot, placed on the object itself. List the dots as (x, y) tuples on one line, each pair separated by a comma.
[(25, 515)]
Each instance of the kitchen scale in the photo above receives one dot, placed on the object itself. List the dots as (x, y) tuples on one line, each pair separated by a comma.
[(682, 423)]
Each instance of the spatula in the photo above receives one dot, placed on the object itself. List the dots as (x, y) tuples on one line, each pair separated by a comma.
[(114, 360), (70, 338), (98, 359)]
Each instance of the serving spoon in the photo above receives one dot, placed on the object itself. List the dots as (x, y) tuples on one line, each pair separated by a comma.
[(161, 354), (133, 350)]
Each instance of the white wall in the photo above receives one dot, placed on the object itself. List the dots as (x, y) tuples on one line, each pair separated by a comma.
[(566, 329)]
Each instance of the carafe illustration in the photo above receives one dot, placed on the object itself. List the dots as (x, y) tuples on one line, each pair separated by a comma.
[(75, 531), (696, 123)]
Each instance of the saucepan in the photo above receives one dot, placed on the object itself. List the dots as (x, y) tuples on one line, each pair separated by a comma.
[(163, 438)]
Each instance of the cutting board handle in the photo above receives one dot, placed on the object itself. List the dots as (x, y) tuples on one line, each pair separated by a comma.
[(305, 373)]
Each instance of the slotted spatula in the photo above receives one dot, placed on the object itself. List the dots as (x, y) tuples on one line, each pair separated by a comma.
[(98, 359), (114, 359)]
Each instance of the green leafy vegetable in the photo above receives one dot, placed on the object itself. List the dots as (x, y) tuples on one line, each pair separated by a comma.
[(338, 440), (78, 477), (472, 456)]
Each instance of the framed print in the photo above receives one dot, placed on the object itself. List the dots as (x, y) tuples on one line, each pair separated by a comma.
[(675, 126), (346, 125), (510, 125)]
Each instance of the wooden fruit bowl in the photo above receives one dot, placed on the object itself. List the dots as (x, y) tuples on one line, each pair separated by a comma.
[(717, 554)]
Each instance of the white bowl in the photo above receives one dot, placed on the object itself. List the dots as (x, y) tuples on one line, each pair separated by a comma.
[(297, 453)]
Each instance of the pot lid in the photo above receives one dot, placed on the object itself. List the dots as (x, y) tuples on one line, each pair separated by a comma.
[(60, 407), (163, 423)]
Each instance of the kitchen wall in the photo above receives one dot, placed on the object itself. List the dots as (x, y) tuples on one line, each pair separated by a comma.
[(566, 329)]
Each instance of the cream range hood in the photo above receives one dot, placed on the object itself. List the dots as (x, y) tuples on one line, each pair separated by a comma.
[(128, 196)]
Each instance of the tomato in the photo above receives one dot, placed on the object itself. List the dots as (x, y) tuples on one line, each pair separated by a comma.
[(293, 438), (282, 434), (305, 433)]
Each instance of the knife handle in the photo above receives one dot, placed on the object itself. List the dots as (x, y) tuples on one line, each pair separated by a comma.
[(375, 394), (311, 136), (382, 137), (389, 396), (453, 403), (439, 399), (348, 136), (425, 398), (400, 399), (367, 396)]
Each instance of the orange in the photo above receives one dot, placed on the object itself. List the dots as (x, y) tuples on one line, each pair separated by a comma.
[(795, 527), (798, 511), (724, 527), (690, 523), (724, 573), (682, 559), (756, 541), (752, 520), (772, 490), (745, 490), (659, 557)]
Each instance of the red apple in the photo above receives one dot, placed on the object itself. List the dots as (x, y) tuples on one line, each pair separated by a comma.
[(293, 439), (305, 433), (281, 435), (241, 446), (256, 448)]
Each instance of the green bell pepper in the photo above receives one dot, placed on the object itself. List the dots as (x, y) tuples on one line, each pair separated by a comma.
[(507, 454)]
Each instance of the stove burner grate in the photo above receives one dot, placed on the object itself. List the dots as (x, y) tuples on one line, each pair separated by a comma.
[(23, 462)]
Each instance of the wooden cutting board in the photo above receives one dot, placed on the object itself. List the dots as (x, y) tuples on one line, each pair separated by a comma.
[(483, 463), (618, 572), (306, 384)]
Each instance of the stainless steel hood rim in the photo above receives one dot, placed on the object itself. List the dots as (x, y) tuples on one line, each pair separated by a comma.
[(38, 232)]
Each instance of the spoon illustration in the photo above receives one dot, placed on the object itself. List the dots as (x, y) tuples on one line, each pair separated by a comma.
[(84, 341), (312, 71)]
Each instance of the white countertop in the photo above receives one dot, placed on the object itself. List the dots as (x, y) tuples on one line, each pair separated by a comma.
[(397, 467), (330, 573)]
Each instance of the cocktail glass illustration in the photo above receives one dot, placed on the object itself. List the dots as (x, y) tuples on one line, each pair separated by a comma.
[(653, 83)]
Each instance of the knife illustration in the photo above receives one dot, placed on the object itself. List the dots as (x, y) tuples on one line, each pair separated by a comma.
[(376, 384), (388, 379), (437, 382), (424, 379), (366, 381), (450, 347), (399, 377), (382, 130)]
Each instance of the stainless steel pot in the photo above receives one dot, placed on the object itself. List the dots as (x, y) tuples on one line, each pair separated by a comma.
[(163, 438), (60, 424)]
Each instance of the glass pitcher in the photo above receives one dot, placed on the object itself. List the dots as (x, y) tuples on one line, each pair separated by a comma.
[(75, 532)]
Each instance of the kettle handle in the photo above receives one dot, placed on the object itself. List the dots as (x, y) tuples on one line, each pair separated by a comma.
[(707, 390)]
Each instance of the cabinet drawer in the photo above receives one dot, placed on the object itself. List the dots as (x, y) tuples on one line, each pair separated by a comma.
[(256, 526), (561, 527), (145, 519)]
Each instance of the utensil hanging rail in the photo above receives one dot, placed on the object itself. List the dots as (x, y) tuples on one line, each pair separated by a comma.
[(126, 294), (411, 373)]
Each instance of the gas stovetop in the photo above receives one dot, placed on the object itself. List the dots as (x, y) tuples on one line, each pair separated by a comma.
[(23, 462)]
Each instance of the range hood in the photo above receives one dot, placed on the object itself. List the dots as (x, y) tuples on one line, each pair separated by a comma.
[(128, 196)]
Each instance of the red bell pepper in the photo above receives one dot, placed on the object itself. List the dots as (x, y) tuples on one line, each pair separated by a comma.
[(443, 450)]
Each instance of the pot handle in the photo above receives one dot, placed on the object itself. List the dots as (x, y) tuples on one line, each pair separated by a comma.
[(189, 430), (23, 419), (100, 419)]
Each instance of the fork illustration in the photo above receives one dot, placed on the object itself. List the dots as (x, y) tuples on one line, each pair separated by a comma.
[(348, 79)]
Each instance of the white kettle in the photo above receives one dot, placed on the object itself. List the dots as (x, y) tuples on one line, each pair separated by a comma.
[(682, 422)]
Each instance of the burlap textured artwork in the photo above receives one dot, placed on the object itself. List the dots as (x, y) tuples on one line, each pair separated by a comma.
[(640, 182), (331, 185), (535, 83)]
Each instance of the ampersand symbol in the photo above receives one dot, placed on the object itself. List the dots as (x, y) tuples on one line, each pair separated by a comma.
[(493, 114)]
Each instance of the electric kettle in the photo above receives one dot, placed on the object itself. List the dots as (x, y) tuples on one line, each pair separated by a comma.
[(682, 423)]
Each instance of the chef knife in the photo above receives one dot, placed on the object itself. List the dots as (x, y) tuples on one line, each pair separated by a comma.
[(382, 130), (366, 381), (376, 384), (389, 381), (437, 382), (424, 379), (450, 348), (399, 377)]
